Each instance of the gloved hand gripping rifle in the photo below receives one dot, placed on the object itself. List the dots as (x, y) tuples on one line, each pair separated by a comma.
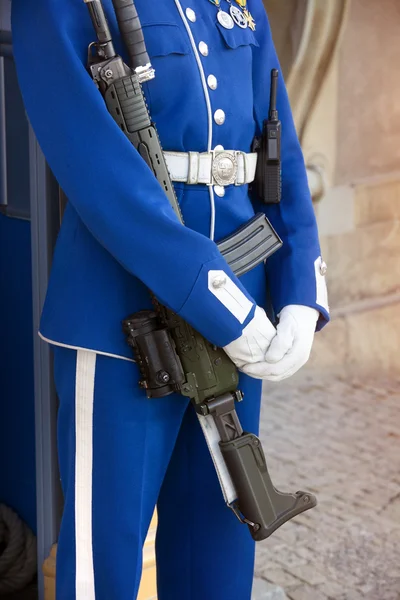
[(172, 356)]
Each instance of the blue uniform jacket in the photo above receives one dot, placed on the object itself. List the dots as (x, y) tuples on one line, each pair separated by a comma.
[(119, 235)]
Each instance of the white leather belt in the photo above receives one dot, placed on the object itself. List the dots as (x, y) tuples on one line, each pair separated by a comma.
[(225, 167)]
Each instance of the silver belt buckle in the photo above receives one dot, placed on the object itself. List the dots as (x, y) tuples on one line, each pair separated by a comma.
[(224, 168)]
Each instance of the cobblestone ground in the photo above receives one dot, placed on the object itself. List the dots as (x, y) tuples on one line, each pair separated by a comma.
[(341, 440)]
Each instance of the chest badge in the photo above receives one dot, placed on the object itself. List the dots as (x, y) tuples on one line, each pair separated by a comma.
[(250, 21), (239, 17), (223, 17)]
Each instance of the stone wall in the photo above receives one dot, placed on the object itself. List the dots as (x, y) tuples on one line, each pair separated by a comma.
[(368, 133), (359, 218), (363, 281)]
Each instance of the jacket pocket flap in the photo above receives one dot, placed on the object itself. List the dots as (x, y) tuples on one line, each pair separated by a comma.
[(164, 39), (233, 38)]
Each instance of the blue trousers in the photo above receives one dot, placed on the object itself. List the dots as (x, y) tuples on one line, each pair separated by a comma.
[(120, 455)]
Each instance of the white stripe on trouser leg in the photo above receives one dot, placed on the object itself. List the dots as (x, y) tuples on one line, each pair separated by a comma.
[(213, 438), (84, 394)]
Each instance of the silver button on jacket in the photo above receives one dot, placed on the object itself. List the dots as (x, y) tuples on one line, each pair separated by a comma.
[(212, 82), (191, 15), (219, 281), (219, 190), (219, 117), (203, 48)]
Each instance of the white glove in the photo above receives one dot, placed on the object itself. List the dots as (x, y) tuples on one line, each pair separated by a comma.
[(291, 347), (254, 342)]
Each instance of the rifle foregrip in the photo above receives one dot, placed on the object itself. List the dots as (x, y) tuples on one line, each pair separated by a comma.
[(126, 103), (131, 31)]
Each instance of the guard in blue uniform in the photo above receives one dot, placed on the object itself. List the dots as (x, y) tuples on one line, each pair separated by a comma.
[(121, 454)]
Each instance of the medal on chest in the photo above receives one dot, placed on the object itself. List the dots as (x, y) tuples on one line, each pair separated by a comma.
[(223, 17), (246, 13), (237, 15)]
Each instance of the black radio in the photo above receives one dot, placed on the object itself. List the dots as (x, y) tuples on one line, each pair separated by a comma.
[(268, 181)]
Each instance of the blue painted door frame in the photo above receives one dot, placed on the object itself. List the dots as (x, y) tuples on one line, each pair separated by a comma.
[(29, 191)]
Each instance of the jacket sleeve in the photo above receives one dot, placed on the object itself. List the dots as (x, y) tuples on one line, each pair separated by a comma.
[(110, 186), (296, 271)]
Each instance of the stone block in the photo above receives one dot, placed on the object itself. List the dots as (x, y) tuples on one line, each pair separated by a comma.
[(263, 590), (374, 340), (392, 511), (308, 574), (364, 263), (376, 201), (330, 346), (359, 342), (333, 590), (280, 577), (307, 592), (335, 212)]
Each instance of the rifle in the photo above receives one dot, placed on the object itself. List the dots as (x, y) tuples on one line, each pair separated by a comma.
[(171, 355)]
